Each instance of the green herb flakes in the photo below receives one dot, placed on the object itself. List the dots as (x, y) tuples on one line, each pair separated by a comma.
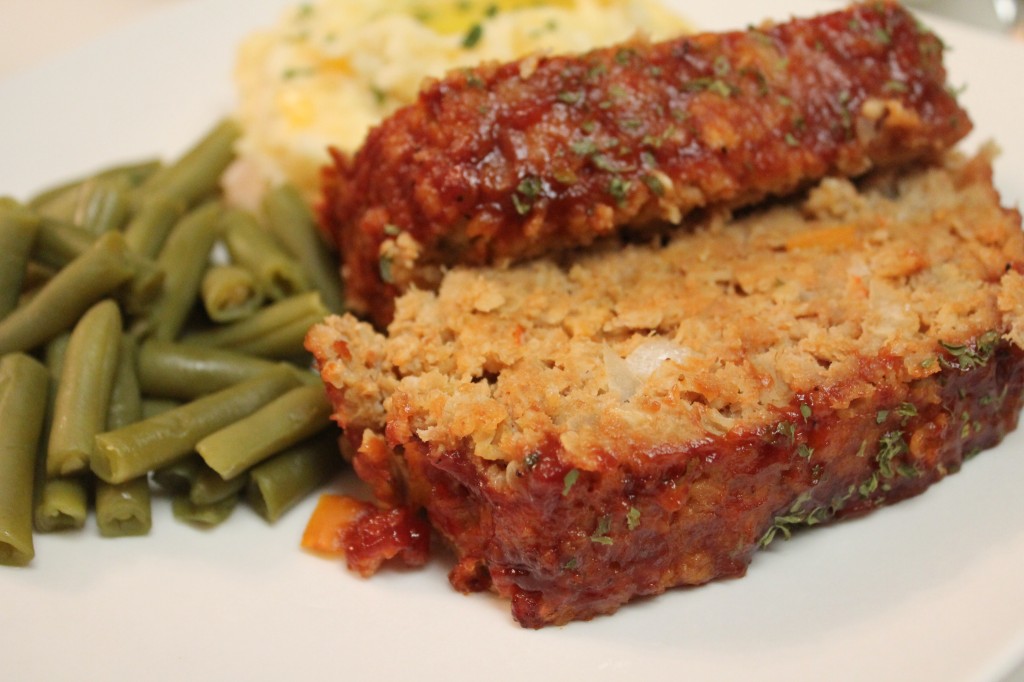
[(473, 36), (569, 481), (633, 518), (600, 536), (805, 411)]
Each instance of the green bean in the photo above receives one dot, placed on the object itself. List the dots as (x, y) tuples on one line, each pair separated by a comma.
[(286, 478), (60, 503), (154, 442), (84, 389), (125, 395), (151, 407), (133, 173), (279, 424), (106, 207), (230, 293), (196, 174), (87, 279), (178, 477), (149, 227), (205, 514), (18, 227), (124, 508), (253, 248), (63, 504), (183, 259), (59, 242), (291, 221), (275, 331), (187, 371), (209, 487), (23, 387)]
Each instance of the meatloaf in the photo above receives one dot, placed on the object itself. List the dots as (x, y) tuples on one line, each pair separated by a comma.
[(585, 430), (511, 161)]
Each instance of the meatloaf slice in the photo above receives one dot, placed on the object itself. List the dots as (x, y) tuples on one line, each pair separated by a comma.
[(586, 431), (511, 161)]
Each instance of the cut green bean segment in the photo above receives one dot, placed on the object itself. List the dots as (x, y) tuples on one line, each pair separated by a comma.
[(154, 442), (230, 293), (133, 173), (177, 477), (187, 371), (59, 242), (209, 487), (197, 173), (124, 509), (107, 206), (279, 424), (151, 407), (23, 390), (278, 274), (84, 389), (183, 259), (148, 229), (63, 504), (18, 228), (277, 484), (125, 395), (291, 221), (87, 279), (275, 331), (203, 514)]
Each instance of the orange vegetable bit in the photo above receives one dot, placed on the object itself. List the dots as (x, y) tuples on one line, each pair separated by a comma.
[(332, 517), (835, 238)]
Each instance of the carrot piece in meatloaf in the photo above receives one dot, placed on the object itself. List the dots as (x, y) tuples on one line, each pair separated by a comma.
[(591, 430), (511, 161)]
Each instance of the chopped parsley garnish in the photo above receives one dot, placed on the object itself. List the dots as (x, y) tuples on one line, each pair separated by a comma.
[(654, 184), (531, 460), (881, 416), (972, 358), (805, 411), (569, 481), (569, 97), (787, 430), (526, 192), (600, 536), (392, 230), (633, 518), (906, 411), (890, 446), (804, 451), (584, 147), (619, 189), (473, 36)]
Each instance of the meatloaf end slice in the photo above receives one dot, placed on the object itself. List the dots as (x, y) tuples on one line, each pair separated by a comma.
[(587, 431)]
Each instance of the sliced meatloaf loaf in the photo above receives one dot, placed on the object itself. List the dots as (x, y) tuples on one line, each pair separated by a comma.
[(586, 430), (512, 161)]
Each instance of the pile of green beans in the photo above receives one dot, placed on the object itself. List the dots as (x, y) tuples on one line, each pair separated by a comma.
[(151, 343)]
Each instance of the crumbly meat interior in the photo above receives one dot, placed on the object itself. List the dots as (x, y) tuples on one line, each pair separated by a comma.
[(627, 349)]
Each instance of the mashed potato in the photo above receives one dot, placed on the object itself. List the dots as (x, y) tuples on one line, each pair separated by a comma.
[(330, 70)]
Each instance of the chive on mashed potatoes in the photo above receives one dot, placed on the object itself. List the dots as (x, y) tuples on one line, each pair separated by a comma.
[(328, 71)]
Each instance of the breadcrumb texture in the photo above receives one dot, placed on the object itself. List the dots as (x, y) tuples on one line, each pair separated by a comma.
[(609, 424)]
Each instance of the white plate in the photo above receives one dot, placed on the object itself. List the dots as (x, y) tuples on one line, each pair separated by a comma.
[(930, 589)]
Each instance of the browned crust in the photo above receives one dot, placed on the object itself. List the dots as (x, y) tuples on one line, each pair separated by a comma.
[(564, 548), (510, 161)]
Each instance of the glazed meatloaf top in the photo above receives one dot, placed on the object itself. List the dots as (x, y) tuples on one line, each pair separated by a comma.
[(622, 351), (514, 161)]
